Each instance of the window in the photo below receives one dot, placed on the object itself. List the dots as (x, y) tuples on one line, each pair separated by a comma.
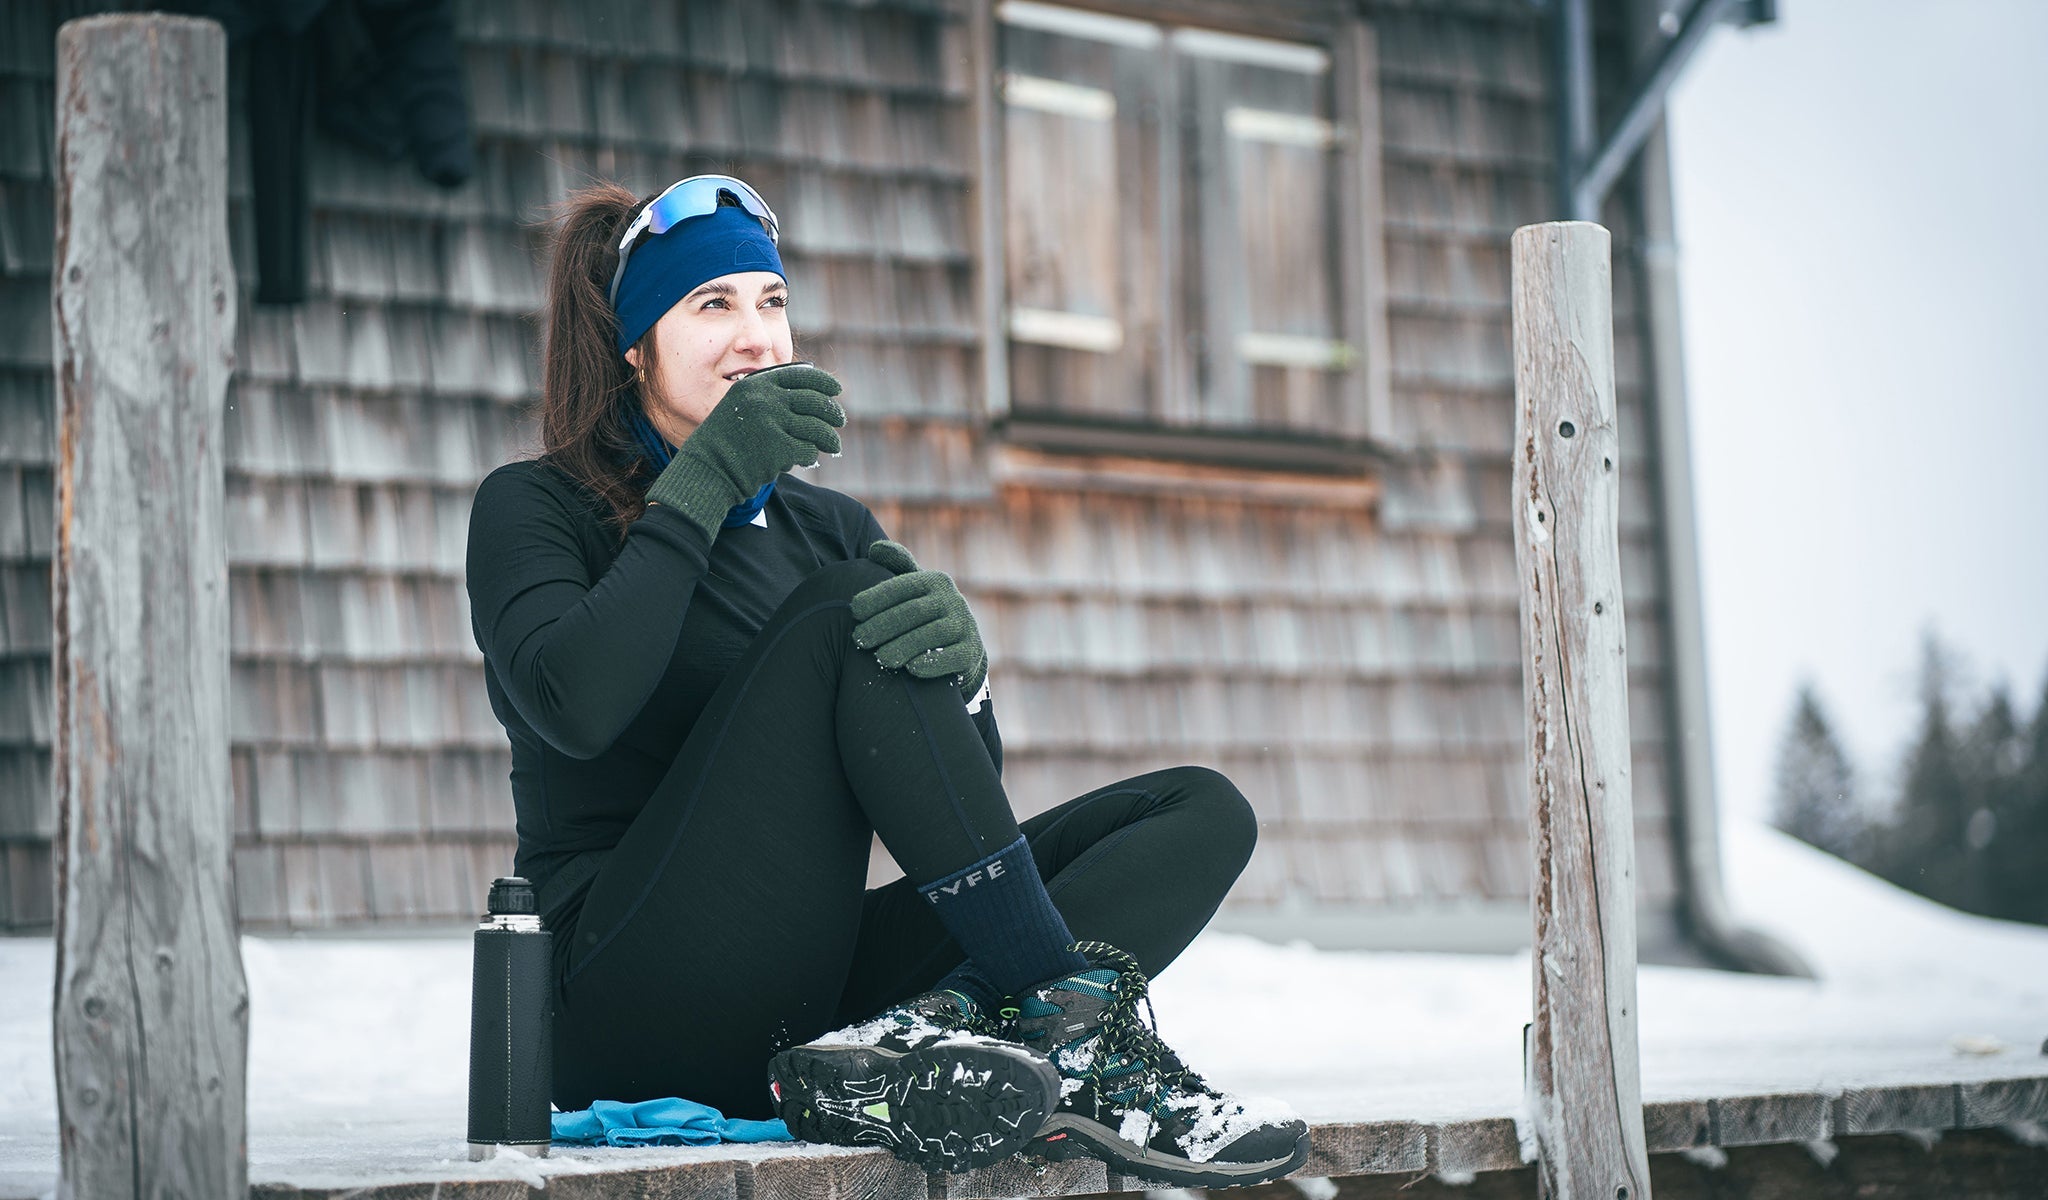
[(1175, 250)]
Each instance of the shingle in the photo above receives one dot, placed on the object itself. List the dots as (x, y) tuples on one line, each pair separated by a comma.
[(27, 227), (28, 125), (266, 616), (299, 882), (27, 802), (374, 794), (27, 45), (359, 252), (27, 403), (268, 521), (259, 885), (24, 608), (14, 535), (266, 343), (25, 322), (397, 890), (272, 703), (38, 510), (488, 267), (320, 340), (273, 429)]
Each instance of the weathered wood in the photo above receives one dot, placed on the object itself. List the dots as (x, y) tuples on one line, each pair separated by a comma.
[(2002, 1101), (151, 1015), (1468, 1147), (868, 1176), (1764, 1120), (1677, 1125), (1018, 1176), (1584, 1084), (1367, 1148), (1895, 1109)]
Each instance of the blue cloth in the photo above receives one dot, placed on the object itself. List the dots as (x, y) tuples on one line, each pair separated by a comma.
[(664, 1122), (660, 453), (665, 267)]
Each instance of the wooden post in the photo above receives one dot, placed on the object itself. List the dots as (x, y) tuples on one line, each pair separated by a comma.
[(151, 1014), (1584, 1089)]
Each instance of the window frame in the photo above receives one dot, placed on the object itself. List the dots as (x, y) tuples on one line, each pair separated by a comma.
[(1360, 278)]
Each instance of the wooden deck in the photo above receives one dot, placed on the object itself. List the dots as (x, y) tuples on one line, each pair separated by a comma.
[(1362, 1154)]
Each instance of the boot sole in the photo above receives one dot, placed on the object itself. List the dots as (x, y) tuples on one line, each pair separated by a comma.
[(945, 1107), (1067, 1136)]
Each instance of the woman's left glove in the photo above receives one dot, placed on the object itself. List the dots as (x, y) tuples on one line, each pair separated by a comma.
[(918, 622)]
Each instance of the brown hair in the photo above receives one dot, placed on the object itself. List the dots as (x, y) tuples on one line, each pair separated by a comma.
[(588, 392)]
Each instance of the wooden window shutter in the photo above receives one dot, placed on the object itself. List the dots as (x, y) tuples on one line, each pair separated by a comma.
[(1084, 287), (1262, 288)]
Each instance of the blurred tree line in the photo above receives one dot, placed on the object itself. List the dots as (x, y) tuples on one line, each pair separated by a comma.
[(1969, 824)]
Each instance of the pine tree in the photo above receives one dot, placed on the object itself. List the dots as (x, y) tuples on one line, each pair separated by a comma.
[(1924, 849), (1993, 756), (1816, 797), (2021, 847)]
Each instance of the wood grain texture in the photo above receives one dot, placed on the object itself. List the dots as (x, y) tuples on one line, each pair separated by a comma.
[(1584, 1083), (1895, 1109), (2002, 1101), (151, 1015), (1761, 1120), (1369, 1148), (1472, 1146), (870, 1175), (1019, 1176), (1677, 1125)]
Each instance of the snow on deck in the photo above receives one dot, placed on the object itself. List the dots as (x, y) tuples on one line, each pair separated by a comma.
[(358, 1054)]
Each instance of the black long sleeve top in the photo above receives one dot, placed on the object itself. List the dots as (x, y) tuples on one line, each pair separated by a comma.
[(600, 655)]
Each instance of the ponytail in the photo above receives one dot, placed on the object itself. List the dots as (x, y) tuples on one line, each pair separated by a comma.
[(589, 393)]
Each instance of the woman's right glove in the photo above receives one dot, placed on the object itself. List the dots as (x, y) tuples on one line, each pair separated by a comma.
[(767, 423), (918, 622)]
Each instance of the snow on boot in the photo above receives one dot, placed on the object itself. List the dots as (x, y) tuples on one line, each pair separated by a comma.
[(923, 1080), (1128, 1100)]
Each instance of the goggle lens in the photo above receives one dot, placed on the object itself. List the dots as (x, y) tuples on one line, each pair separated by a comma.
[(696, 196)]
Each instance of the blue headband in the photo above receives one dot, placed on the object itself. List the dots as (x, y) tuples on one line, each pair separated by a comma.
[(664, 268)]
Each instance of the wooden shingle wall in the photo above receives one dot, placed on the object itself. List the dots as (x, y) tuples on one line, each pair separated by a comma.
[(1353, 668), (1357, 673)]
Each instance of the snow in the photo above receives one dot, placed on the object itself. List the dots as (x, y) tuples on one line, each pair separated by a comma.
[(358, 1047)]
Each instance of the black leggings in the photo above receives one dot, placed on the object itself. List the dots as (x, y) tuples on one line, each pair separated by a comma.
[(733, 920)]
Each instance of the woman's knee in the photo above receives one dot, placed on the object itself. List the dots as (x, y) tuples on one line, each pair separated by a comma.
[(840, 581), (1226, 817)]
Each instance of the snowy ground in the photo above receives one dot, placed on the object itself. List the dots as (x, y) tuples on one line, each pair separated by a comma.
[(358, 1047)]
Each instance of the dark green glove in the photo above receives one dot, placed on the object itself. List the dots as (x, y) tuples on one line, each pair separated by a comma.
[(918, 622), (767, 423)]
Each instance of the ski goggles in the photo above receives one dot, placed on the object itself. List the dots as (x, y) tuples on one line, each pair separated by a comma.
[(697, 196)]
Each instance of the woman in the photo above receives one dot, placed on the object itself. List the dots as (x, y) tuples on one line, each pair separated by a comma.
[(720, 681)]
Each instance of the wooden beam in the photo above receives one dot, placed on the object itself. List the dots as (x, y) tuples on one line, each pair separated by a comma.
[(151, 1014), (1584, 1087)]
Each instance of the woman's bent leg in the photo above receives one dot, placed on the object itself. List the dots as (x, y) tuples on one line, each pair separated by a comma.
[(1141, 864), (721, 927)]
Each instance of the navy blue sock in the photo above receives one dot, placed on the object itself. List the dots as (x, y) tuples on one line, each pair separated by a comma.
[(998, 910), (967, 981)]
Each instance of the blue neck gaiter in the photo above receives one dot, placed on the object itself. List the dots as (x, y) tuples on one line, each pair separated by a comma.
[(659, 453)]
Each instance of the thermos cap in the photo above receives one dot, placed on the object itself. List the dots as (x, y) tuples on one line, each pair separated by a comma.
[(510, 895)]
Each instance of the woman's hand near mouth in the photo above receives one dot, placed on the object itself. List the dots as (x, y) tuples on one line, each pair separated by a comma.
[(766, 423)]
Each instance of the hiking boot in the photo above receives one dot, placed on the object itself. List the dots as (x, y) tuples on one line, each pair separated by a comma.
[(925, 1080), (1127, 1099)]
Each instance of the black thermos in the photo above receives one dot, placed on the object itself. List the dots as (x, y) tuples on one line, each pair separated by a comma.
[(511, 1025)]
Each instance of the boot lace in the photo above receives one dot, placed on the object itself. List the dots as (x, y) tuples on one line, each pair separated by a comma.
[(1127, 1035)]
